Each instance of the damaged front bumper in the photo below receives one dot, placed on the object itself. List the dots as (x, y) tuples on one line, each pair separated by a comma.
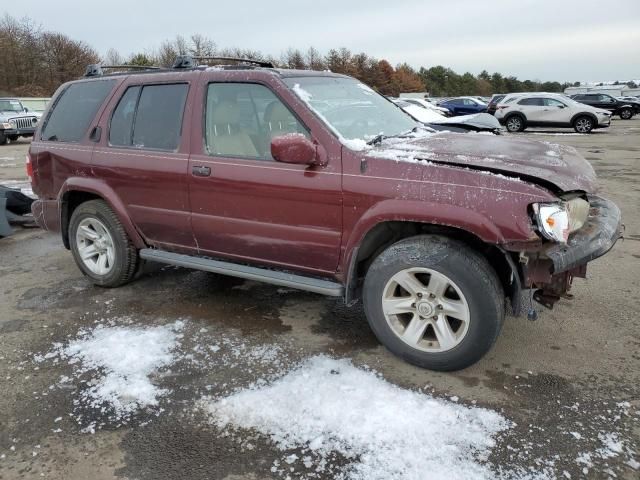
[(550, 270)]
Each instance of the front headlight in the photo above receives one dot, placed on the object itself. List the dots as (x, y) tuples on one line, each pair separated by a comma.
[(552, 220), (7, 126)]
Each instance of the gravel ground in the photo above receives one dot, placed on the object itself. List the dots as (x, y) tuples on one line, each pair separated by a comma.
[(569, 383)]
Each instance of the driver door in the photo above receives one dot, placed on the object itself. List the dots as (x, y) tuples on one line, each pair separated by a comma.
[(247, 206)]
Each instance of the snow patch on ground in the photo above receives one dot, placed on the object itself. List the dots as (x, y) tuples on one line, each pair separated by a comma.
[(122, 360), (326, 406)]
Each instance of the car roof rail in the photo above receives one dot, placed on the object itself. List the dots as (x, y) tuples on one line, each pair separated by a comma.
[(189, 61), (96, 70)]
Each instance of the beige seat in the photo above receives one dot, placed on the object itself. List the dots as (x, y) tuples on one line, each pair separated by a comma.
[(278, 120), (224, 133)]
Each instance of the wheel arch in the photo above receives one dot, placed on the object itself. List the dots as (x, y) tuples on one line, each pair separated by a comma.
[(591, 115), (386, 233), (79, 190)]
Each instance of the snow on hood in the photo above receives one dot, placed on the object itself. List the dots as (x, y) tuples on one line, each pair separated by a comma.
[(557, 165)]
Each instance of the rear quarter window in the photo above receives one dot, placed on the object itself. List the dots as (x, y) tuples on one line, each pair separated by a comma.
[(74, 110)]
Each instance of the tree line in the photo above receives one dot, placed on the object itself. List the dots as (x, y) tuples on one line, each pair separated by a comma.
[(35, 62)]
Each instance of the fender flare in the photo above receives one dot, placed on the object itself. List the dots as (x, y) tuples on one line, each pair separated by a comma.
[(420, 212), (106, 193), (591, 115)]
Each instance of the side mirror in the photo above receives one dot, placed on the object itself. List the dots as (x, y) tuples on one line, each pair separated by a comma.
[(294, 148), (26, 109)]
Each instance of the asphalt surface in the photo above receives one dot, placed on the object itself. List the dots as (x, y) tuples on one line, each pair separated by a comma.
[(576, 369)]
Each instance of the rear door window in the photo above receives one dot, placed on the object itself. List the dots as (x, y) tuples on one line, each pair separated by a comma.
[(149, 117), (122, 119), (532, 102), (74, 109)]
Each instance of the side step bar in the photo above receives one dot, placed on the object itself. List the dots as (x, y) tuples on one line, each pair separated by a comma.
[(300, 282)]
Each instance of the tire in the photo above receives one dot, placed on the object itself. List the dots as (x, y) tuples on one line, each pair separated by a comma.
[(626, 114), (515, 123), (13, 138), (468, 279), (583, 124), (94, 224), (3, 138)]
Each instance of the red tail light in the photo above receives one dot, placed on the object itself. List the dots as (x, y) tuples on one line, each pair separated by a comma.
[(29, 167)]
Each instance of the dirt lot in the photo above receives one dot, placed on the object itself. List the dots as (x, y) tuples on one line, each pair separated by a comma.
[(569, 382)]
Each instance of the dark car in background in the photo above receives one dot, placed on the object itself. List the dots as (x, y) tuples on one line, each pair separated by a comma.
[(493, 103), (625, 109), (464, 105)]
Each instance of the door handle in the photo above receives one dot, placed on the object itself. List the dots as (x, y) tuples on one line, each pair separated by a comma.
[(201, 171)]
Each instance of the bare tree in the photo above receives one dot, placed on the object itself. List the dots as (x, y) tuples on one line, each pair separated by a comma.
[(202, 46)]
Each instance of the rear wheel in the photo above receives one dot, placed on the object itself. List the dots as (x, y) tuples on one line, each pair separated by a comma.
[(626, 114), (434, 302), (515, 123), (100, 245), (583, 124)]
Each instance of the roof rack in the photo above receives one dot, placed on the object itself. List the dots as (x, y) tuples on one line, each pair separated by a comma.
[(96, 70), (188, 61)]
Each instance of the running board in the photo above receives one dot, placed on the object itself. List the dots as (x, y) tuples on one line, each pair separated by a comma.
[(300, 282)]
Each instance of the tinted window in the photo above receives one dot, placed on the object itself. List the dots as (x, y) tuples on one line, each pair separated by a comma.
[(74, 109), (241, 119), (551, 102), (122, 119), (158, 118), (534, 102)]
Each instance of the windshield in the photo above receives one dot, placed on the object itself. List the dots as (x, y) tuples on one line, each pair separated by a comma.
[(350, 108), (11, 106)]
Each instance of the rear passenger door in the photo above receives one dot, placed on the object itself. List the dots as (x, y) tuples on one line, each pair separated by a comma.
[(143, 157), (249, 207), (533, 109)]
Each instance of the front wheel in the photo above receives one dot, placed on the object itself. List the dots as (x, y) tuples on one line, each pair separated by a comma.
[(583, 124), (100, 245), (626, 114), (434, 302), (3, 138)]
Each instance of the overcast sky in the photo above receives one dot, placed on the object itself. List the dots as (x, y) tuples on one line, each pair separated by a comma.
[(585, 40)]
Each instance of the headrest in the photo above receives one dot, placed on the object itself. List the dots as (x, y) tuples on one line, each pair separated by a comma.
[(225, 112), (276, 112)]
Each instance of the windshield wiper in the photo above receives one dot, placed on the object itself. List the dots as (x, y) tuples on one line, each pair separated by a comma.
[(380, 137), (377, 139), (52, 138)]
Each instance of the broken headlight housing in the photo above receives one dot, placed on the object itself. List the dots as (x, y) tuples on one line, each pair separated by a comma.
[(552, 220)]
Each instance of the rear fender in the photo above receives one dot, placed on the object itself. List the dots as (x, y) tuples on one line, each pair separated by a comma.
[(102, 190)]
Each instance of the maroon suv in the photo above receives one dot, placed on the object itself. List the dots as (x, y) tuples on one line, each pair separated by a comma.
[(314, 181)]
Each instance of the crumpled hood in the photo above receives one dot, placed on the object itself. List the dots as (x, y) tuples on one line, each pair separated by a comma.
[(554, 165)]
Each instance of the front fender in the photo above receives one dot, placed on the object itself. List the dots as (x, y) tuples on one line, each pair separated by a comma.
[(102, 190), (421, 212)]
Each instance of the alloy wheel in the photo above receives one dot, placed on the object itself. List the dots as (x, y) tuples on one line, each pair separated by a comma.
[(514, 124), (583, 125), (426, 309), (95, 246)]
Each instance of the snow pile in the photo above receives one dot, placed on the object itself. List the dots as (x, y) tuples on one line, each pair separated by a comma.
[(328, 406), (126, 357)]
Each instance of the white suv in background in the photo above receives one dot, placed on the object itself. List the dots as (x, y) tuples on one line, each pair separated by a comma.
[(522, 110)]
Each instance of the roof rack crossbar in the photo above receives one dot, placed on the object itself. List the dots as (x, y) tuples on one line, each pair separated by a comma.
[(188, 61), (95, 70)]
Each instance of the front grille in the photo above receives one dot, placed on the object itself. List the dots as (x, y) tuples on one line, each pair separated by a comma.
[(24, 122)]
